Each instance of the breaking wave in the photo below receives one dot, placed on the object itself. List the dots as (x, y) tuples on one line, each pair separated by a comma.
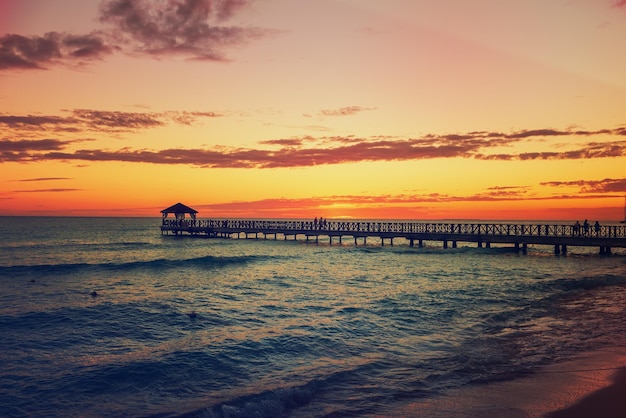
[(157, 264)]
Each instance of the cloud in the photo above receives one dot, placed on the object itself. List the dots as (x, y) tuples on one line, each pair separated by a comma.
[(186, 27), (506, 191), (227, 8), (193, 29), (592, 186), (300, 207), (189, 118), (38, 52), (589, 150), (119, 120), (44, 179), (289, 142), (304, 151), (78, 120), (537, 132), (47, 191), (344, 111), (32, 145), (381, 205), (24, 122), (23, 150), (293, 142)]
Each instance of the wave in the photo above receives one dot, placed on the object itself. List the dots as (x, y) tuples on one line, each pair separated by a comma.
[(272, 403), (307, 399), (33, 246), (157, 264), (586, 282), (345, 392), (550, 293)]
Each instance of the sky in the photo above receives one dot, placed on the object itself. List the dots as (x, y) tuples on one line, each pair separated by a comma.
[(364, 109)]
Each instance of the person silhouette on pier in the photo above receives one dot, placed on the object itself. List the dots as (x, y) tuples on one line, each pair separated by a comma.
[(586, 227), (577, 228), (596, 228)]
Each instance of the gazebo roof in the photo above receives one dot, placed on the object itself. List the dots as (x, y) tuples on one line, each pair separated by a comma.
[(178, 209)]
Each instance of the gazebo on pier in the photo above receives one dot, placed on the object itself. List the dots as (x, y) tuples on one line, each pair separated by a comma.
[(179, 211)]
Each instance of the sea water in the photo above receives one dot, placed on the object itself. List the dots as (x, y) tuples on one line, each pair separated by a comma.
[(107, 317)]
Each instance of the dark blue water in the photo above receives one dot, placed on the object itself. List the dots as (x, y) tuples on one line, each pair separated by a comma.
[(282, 328)]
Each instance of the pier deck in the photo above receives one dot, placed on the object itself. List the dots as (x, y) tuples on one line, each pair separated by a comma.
[(520, 236)]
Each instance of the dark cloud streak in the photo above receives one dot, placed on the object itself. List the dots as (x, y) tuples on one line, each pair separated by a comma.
[(590, 150), (32, 145), (43, 179), (293, 152), (607, 185), (39, 52), (102, 121), (21, 122), (47, 191)]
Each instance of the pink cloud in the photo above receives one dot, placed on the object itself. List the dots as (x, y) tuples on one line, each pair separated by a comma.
[(193, 29), (344, 111)]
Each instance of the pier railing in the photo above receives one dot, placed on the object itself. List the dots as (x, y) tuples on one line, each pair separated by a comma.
[(401, 228)]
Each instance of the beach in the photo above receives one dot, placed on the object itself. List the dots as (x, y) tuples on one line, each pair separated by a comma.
[(609, 401), (593, 385)]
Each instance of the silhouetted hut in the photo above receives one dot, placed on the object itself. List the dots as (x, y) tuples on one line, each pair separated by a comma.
[(179, 211)]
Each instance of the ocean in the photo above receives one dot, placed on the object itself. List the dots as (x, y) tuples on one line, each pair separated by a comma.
[(105, 317)]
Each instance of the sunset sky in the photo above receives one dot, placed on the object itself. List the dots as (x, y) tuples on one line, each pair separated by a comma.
[(411, 109)]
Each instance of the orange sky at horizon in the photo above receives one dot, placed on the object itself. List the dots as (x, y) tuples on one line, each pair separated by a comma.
[(363, 109)]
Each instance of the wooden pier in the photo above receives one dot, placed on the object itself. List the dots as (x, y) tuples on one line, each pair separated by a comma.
[(604, 237)]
